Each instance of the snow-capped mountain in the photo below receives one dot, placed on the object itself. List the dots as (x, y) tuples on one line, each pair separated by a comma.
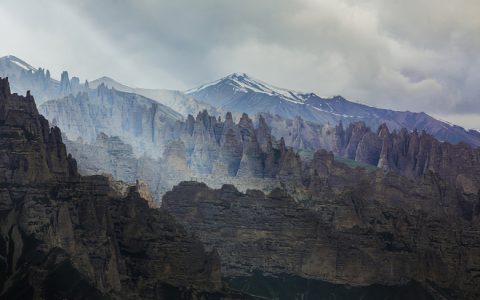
[(239, 92), (241, 82)]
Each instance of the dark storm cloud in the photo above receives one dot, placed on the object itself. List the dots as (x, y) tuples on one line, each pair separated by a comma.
[(415, 55)]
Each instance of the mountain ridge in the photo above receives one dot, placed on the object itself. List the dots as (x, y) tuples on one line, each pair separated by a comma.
[(177, 100), (144, 122), (239, 92)]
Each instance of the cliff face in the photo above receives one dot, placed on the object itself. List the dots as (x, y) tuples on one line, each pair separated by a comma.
[(176, 100), (414, 155), (217, 151), (111, 156), (67, 236), (353, 227), (30, 151), (146, 124), (246, 150), (229, 149), (411, 154)]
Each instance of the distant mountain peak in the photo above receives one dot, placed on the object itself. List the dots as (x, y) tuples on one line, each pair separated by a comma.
[(243, 83), (237, 76), (106, 78), (17, 61), (111, 83)]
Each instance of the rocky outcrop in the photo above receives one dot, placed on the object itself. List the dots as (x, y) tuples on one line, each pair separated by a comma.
[(225, 148), (65, 87), (30, 151), (67, 236), (411, 154), (230, 154), (414, 155), (174, 155), (24, 77)]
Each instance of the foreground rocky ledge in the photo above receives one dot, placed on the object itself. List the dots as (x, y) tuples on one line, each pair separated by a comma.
[(356, 237)]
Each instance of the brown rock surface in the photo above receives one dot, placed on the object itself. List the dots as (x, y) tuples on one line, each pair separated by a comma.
[(352, 227)]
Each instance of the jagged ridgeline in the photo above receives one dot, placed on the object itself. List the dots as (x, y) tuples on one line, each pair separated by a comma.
[(237, 93), (248, 155), (65, 236)]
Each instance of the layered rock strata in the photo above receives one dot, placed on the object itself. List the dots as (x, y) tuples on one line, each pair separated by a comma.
[(352, 227)]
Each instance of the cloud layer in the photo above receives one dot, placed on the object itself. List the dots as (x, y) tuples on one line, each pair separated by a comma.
[(420, 55)]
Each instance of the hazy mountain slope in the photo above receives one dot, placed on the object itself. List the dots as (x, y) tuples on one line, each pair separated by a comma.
[(241, 93), (252, 156), (142, 122), (23, 77), (177, 100)]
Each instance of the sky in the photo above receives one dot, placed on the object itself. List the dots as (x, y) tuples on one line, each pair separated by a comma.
[(416, 55)]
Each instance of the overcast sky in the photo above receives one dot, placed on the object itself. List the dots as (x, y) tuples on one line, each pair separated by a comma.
[(417, 55)]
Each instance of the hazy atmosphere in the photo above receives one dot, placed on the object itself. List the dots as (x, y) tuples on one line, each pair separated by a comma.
[(240, 150), (406, 55)]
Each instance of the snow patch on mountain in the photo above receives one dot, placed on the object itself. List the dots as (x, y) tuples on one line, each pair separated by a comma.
[(335, 114), (17, 61), (244, 83)]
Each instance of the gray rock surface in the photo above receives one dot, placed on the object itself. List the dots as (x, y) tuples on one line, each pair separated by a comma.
[(146, 124)]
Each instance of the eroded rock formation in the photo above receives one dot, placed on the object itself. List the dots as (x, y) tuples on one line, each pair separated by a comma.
[(409, 153)]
